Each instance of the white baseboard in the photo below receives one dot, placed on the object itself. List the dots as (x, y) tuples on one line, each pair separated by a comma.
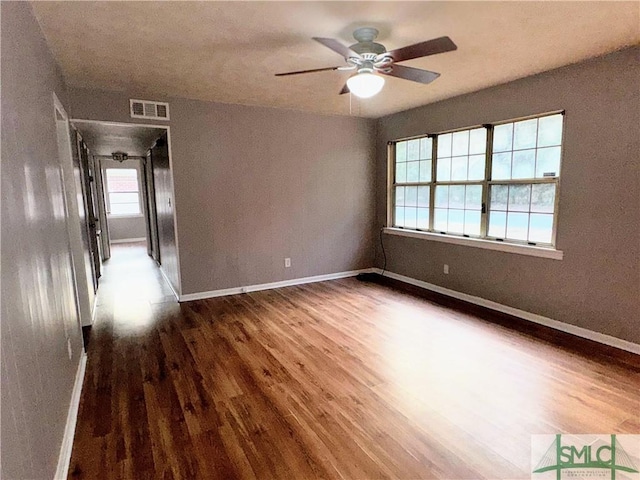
[(166, 279), (532, 317), (72, 416), (268, 286), (129, 240)]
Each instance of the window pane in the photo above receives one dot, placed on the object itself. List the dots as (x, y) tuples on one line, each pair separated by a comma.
[(456, 196), (460, 143), (550, 131), (501, 166), (543, 198), (423, 218), (476, 167), (497, 224), (413, 171), (499, 197), (425, 171), (456, 221), (410, 215), (115, 198), (411, 197), (440, 219), (473, 197), (540, 228), (444, 169), (426, 148), (519, 198), (413, 150), (401, 152), (503, 137), (522, 151), (524, 134), (400, 196), (517, 225), (477, 141), (122, 180), (459, 168), (523, 164), (423, 196), (548, 162), (444, 145), (472, 222), (442, 196), (401, 172), (399, 217), (125, 209)]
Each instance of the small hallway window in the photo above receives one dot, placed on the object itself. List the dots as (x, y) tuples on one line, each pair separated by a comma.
[(123, 192)]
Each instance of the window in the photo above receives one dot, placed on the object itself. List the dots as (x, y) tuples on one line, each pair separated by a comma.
[(497, 182), (123, 196)]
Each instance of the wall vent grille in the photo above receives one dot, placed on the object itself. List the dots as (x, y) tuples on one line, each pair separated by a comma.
[(149, 109)]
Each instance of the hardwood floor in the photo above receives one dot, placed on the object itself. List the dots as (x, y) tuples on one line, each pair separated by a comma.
[(339, 379)]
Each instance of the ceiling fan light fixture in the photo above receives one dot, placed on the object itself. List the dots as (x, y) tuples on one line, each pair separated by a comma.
[(365, 84)]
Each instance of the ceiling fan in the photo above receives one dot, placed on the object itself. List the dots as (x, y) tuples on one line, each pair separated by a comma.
[(370, 59)]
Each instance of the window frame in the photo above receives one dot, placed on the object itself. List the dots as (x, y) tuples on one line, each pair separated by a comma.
[(107, 193), (487, 183)]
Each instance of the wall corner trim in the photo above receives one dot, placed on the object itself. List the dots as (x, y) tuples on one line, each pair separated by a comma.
[(166, 279), (531, 317), (64, 458), (269, 286)]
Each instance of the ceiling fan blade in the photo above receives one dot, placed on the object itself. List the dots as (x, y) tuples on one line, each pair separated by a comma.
[(336, 46), (423, 49), (413, 74), (345, 89), (306, 71)]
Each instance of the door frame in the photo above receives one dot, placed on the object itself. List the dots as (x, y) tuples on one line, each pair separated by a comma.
[(70, 197), (171, 168)]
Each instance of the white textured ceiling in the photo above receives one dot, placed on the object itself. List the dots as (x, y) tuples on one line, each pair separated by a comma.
[(229, 51)]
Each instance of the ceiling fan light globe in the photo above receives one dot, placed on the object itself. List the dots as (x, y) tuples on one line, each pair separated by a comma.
[(365, 85)]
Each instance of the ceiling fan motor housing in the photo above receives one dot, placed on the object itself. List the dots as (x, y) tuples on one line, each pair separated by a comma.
[(365, 37)]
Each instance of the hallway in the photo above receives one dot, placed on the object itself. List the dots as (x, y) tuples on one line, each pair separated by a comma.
[(130, 287)]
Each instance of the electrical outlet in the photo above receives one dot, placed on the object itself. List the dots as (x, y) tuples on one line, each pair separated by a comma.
[(446, 269), (287, 262), (69, 350)]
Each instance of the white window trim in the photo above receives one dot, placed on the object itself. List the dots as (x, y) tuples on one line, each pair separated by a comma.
[(486, 242), (107, 193), (112, 215), (479, 243)]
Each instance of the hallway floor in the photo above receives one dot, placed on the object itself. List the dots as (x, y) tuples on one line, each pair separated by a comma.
[(339, 379)]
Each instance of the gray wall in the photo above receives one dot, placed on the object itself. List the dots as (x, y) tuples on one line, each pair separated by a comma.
[(124, 228), (255, 185), (597, 285), (127, 228), (38, 310)]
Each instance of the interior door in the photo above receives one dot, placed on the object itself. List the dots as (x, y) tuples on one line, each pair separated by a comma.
[(154, 244), (105, 246), (83, 212), (92, 214)]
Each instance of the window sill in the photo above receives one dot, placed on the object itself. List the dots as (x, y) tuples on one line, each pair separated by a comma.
[(124, 216), (479, 243)]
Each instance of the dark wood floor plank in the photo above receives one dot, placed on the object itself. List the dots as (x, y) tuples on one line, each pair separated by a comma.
[(336, 380)]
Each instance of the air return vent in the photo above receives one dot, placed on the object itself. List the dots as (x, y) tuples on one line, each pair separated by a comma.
[(148, 109)]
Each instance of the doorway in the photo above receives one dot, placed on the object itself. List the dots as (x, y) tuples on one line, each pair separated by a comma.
[(132, 191)]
